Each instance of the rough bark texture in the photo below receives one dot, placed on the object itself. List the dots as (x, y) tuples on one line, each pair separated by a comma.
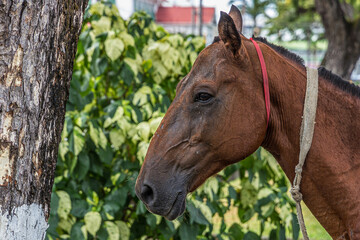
[(343, 34), (38, 42)]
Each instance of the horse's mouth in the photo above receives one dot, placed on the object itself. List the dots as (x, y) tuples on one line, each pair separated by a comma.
[(177, 208)]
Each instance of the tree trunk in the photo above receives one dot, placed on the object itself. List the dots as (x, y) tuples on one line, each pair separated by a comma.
[(343, 34), (38, 42)]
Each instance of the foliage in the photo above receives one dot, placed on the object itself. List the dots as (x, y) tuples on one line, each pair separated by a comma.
[(254, 8), (302, 22), (298, 20), (351, 10), (124, 78)]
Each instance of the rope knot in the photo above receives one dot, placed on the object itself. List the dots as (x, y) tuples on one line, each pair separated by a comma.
[(298, 169), (296, 194)]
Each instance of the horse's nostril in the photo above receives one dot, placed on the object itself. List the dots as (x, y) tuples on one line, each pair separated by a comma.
[(147, 194)]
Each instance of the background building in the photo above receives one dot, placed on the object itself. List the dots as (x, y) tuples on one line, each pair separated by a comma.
[(186, 20)]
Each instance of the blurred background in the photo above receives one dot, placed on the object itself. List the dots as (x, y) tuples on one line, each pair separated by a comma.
[(295, 25), (130, 57)]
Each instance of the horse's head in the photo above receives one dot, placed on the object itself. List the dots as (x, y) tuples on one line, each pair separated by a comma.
[(217, 118)]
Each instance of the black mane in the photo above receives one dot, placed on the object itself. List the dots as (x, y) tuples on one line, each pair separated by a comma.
[(323, 72), (283, 51)]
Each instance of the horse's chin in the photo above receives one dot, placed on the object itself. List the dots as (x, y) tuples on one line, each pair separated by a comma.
[(178, 207)]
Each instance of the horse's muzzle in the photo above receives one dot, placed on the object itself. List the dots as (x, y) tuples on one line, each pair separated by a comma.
[(167, 202)]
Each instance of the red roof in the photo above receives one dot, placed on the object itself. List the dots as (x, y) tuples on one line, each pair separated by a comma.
[(183, 14)]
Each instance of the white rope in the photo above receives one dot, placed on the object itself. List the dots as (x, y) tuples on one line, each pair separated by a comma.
[(306, 136)]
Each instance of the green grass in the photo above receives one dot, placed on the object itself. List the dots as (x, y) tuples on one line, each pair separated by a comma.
[(314, 229)]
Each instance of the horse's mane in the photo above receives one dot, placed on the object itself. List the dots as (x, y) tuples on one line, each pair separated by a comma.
[(323, 72)]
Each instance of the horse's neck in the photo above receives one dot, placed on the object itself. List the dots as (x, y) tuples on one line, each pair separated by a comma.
[(332, 168)]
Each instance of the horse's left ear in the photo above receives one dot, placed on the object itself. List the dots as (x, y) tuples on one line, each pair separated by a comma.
[(235, 14), (228, 33)]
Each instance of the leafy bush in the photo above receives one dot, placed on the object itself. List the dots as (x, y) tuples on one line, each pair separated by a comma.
[(124, 79)]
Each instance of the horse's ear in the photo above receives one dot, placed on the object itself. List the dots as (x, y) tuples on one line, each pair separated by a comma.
[(235, 14), (228, 33)]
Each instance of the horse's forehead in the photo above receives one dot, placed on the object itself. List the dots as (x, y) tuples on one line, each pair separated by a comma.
[(209, 57), (206, 65)]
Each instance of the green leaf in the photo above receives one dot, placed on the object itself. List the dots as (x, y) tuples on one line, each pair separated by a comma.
[(131, 63), (102, 234), (267, 210), (160, 71), (63, 149), (196, 214), (127, 39), (76, 141), (205, 210), (127, 74), (54, 204), (147, 64), (105, 155), (66, 224), (92, 222), (64, 204), (93, 200), (99, 66), (251, 236), (198, 42), (188, 231), (54, 218), (154, 124), (282, 235), (102, 25), (141, 151), (151, 220), (235, 231), (112, 230), (83, 165), (97, 8), (114, 48), (246, 215), (117, 196), (94, 134), (117, 138), (117, 178), (118, 115), (143, 131), (136, 115), (97, 136), (143, 96), (79, 208), (123, 230), (295, 226), (166, 231), (211, 187), (76, 232), (248, 195), (273, 235), (140, 209)]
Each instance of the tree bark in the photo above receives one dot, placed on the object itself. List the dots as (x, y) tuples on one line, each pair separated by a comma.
[(38, 42), (343, 34)]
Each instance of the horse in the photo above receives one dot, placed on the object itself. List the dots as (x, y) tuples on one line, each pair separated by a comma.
[(218, 118)]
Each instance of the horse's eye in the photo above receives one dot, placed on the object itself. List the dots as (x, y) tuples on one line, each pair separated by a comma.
[(203, 97)]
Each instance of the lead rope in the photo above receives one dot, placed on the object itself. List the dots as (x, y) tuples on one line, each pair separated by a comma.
[(306, 131), (306, 136)]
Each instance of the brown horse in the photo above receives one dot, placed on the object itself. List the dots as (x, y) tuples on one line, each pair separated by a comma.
[(218, 118)]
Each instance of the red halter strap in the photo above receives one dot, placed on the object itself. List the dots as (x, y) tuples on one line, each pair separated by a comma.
[(265, 80)]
